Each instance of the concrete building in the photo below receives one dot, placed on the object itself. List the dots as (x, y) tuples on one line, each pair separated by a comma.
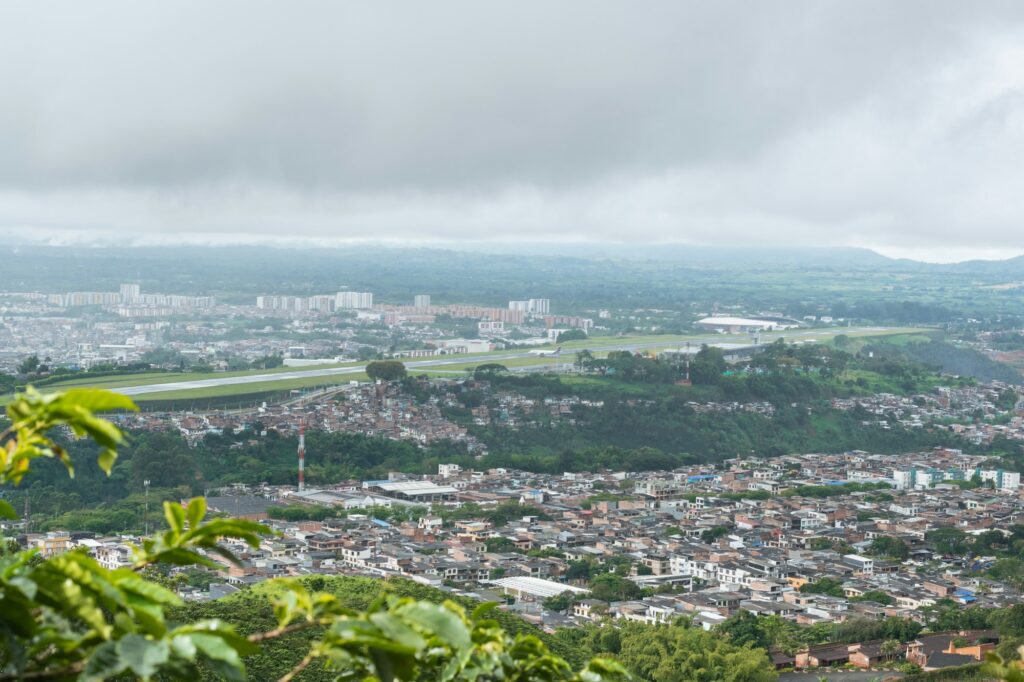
[(533, 306), (421, 301), (740, 324), (490, 327), (413, 491), (1003, 480), (130, 293), (353, 300)]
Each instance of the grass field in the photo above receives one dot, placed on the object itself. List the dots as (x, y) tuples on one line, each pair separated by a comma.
[(150, 378), (242, 390), (279, 387)]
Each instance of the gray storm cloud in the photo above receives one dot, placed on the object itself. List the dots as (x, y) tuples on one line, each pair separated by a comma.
[(892, 125)]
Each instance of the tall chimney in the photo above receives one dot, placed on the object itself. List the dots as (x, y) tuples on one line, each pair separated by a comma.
[(302, 455)]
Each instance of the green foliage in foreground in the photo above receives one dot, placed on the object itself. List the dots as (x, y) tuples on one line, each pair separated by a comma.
[(66, 617), (776, 633), (251, 611), (672, 653), (999, 667)]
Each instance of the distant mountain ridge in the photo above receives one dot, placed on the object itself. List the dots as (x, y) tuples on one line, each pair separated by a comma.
[(678, 253), (751, 259), (687, 254)]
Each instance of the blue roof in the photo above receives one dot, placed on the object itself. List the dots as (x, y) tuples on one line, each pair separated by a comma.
[(381, 522)]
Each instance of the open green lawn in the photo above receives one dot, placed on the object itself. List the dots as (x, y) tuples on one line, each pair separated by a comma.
[(654, 343), (149, 378), (877, 383), (900, 338), (619, 386), (243, 390), (907, 339)]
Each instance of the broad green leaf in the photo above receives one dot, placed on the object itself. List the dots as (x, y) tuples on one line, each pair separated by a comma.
[(224, 552), (7, 511), (131, 582), (483, 609), (196, 511), (224, 631), (100, 430), (179, 556), (175, 516), (440, 621), (24, 585), (143, 656), (17, 615), (98, 400), (104, 662), (394, 629), (218, 648), (106, 459), (183, 647)]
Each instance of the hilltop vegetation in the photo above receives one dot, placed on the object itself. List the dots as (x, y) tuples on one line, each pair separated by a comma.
[(948, 358), (650, 652)]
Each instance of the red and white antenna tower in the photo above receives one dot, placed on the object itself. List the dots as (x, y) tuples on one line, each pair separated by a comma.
[(302, 455)]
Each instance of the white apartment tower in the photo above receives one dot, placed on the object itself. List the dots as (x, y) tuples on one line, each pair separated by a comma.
[(353, 299), (534, 306), (130, 293), (421, 301), (540, 306)]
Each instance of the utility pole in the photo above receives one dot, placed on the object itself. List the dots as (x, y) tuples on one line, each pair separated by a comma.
[(146, 512), (687, 360)]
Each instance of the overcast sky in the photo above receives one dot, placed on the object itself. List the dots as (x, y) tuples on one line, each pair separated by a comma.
[(892, 125)]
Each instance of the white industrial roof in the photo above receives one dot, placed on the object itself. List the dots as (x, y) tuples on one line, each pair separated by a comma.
[(738, 322), (416, 488), (538, 587)]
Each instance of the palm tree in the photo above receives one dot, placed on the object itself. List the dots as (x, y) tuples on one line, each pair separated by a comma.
[(891, 646)]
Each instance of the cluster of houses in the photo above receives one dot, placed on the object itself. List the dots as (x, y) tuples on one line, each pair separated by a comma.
[(371, 409), (971, 412), (704, 543), (442, 410)]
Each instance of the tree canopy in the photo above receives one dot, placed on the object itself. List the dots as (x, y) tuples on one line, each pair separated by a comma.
[(386, 370)]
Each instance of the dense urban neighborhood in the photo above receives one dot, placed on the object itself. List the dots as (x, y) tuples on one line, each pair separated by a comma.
[(812, 539)]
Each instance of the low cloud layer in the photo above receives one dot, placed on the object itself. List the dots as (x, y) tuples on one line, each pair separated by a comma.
[(897, 126)]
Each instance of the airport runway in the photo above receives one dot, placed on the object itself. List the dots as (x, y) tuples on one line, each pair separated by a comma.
[(723, 341)]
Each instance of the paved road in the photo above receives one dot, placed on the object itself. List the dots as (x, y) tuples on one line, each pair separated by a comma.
[(725, 342)]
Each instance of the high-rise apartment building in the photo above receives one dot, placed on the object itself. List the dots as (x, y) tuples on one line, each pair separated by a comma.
[(130, 293), (539, 306), (421, 301), (353, 299), (534, 306)]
